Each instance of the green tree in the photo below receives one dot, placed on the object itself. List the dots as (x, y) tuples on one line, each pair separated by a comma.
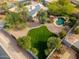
[(61, 7), (47, 51), (53, 8), (72, 21), (25, 42), (54, 42), (42, 16), (62, 34), (34, 50), (63, 2), (76, 30), (14, 20)]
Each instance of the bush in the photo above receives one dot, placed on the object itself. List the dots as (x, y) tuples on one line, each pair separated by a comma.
[(72, 21), (14, 20), (62, 34), (34, 50), (61, 8), (25, 42), (76, 30), (54, 42)]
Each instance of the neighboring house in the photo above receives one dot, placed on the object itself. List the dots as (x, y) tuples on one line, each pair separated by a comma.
[(72, 41), (33, 9)]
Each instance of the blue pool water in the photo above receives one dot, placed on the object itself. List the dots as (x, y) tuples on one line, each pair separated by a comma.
[(60, 21)]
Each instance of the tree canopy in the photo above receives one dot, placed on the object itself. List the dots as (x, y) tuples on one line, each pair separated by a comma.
[(54, 42), (61, 7), (14, 20)]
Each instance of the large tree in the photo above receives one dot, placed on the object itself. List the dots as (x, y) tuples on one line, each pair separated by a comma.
[(42, 16), (14, 20), (76, 30), (52, 43), (61, 7)]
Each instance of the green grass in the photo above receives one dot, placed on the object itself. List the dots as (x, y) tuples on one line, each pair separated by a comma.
[(36, 41), (39, 37)]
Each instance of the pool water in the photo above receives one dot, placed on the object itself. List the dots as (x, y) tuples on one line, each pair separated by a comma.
[(60, 21)]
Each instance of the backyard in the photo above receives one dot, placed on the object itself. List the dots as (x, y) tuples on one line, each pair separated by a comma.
[(36, 41), (40, 34)]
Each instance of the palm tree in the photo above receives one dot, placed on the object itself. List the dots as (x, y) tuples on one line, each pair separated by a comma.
[(54, 42)]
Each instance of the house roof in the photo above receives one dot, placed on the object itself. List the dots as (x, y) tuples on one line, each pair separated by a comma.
[(33, 9)]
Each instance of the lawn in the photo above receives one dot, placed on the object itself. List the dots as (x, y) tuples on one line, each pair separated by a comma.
[(36, 41)]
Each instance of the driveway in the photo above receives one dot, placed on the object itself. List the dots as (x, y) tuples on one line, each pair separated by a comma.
[(9, 44)]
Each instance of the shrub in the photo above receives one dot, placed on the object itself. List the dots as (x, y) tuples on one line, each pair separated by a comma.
[(14, 20), (76, 30), (62, 34)]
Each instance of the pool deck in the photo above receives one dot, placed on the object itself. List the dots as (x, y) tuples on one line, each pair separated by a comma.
[(53, 28)]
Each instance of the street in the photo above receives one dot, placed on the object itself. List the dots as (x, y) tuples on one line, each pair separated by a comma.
[(9, 44)]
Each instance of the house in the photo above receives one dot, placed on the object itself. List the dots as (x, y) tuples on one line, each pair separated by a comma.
[(33, 9)]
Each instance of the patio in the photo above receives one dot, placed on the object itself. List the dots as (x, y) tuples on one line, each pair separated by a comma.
[(53, 28), (68, 54)]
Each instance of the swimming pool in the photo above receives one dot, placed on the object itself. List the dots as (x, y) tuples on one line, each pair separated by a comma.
[(60, 21)]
